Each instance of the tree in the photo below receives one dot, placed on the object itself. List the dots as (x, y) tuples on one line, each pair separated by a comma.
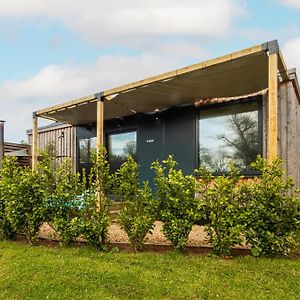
[(130, 148), (214, 163), (244, 140)]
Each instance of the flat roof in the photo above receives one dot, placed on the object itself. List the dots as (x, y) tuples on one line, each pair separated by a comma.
[(236, 74)]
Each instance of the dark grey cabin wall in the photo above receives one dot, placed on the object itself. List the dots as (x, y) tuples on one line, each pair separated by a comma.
[(288, 130), (181, 137), (172, 132)]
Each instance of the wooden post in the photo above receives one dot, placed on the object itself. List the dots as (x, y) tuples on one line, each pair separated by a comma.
[(100, 113), (34, 148), (273, 109), (100, 121)]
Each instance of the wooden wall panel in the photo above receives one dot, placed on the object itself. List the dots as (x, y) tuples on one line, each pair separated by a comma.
[(289, 126), (62, 136)]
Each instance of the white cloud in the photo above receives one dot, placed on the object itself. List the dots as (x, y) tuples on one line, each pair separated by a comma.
[(58, 83), (166, 31), (126, 20), (291, 3), (291, 53)]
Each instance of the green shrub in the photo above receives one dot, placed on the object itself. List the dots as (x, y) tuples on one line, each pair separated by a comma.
[(273, 211), (138, 213), (221, 198), (94, 221), (25, 198), (7, 177), (63, 188), (178, 208), (73, 202)]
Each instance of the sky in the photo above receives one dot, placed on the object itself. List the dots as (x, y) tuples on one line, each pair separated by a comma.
[(58, 50)]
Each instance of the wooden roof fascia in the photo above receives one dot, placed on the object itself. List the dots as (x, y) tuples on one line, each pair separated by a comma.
[(80, 101)]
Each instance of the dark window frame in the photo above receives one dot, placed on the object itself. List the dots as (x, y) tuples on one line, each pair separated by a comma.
[(259, 101)]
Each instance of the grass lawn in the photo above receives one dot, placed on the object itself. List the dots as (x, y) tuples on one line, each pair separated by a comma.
[(82, 273)]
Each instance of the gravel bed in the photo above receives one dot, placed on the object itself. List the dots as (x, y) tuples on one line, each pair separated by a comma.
[(197, 236)]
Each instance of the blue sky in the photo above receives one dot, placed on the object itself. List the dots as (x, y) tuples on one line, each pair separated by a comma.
[(53, 51)]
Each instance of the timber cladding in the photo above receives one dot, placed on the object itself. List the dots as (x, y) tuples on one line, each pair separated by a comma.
[(62, 136), (288, 130)]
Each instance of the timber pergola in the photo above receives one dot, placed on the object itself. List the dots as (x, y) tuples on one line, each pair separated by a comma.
[(240, 73)]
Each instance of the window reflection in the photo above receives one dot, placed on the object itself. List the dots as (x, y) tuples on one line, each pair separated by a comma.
[(120, 146), (229, 133), (84, 150), (93, 144)]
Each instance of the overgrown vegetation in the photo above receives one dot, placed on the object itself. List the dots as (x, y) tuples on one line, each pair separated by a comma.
[(139, 211), (178, 207)]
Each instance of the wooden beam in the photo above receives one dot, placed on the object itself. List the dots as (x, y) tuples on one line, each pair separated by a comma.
[(34, 154), (100, 139), (273, 109)]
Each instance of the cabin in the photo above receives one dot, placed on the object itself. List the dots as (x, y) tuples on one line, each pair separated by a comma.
[(230, 108)]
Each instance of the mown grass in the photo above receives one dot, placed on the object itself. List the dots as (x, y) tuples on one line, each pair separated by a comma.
[(82, 273)]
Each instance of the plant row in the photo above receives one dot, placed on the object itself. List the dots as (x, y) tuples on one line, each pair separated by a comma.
[(262, 213)]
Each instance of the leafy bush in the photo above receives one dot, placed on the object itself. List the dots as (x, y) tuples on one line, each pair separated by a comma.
[(273, 210), (221, 198), (24, 197), (7, 176), (94, 221), (178, 208), (138, 213), (63, 188)]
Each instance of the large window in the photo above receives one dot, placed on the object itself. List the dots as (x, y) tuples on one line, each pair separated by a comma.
[(229, 133), (120, 146)]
